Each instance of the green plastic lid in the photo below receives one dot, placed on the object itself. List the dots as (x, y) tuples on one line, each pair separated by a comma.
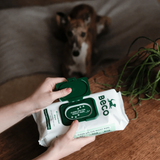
[(80, 88), (77, 107)]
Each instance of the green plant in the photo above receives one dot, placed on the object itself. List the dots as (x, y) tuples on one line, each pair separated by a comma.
[(140, 75)]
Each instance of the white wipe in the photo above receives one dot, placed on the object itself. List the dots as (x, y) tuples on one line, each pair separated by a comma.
[(111, 118)]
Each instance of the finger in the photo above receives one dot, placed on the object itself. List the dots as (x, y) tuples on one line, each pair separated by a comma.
[(51, 82), (54, 81), (61, 93), (84, 141), (72, 130)]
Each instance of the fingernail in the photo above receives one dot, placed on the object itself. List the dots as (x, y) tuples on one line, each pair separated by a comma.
[(75, 121), (68, 90)]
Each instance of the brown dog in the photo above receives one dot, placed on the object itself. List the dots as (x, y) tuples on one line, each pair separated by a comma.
[(81, 28)]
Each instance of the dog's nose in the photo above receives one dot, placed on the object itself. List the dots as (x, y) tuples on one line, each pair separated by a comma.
[(75, 53)]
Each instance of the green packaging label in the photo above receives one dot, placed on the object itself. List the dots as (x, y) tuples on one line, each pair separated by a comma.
[(78, 111), (47, 119)]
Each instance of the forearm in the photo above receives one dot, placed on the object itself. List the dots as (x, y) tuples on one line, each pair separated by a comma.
[(13, 113)]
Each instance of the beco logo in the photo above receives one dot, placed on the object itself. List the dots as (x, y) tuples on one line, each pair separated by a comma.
[(103, 103)]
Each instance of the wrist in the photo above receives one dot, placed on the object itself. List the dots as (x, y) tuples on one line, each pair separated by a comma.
[(49, 154), (54, 153), (27, 107), (33, 105)]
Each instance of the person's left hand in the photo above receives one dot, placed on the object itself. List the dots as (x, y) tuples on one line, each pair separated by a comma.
[(45, 95)]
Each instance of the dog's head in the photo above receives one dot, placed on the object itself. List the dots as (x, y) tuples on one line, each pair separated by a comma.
[(76, 30)]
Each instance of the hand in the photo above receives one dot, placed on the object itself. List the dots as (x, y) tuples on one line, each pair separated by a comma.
[(65, 144), (41, 98), (45, 95)]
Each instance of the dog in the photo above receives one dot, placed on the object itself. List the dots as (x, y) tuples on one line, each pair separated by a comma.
[(81, 27)]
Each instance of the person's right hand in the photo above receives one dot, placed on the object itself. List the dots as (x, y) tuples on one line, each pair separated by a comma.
[(65, 144)]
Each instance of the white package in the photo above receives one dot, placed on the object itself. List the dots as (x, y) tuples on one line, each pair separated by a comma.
[(111, 117)]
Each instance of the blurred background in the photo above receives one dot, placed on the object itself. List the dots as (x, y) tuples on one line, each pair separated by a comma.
[(29, 51)]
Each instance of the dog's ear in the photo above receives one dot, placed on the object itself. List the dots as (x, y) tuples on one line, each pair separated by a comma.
[(103, 20), (62, 19), (87, 18), (103, 23)]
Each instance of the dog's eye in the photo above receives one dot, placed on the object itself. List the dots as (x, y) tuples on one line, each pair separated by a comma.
[(83, 34), (69, 33)]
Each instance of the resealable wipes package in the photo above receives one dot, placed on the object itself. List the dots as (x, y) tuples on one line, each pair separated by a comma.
[(97, 113)]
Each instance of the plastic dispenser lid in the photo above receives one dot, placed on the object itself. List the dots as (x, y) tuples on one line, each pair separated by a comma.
[(80, 88)]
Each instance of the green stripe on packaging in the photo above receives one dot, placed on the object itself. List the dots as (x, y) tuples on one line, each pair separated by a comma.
[(47, 119)]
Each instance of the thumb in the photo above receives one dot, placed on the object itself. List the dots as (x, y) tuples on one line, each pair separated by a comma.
[(72, 130), (61, 93)]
